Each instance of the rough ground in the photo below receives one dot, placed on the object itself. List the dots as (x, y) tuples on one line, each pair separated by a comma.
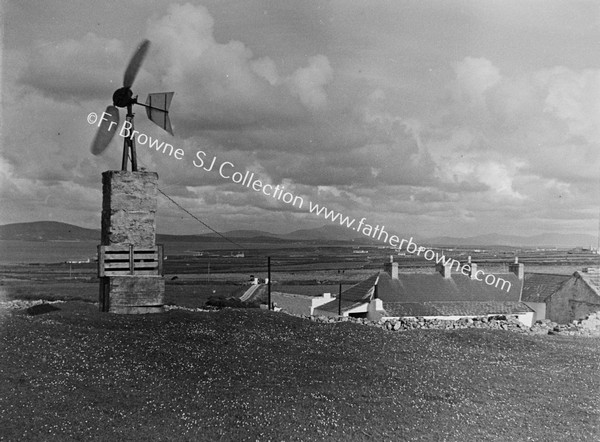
[(76, 374)]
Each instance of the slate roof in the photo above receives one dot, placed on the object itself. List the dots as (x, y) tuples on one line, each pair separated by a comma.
[(433, 287), (292, 303), (455, 308), (352, 297), (430, 294), (539, 286), (591, 279)]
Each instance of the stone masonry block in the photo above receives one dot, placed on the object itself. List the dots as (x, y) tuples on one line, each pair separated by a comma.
[(129, 208), (121, 227), (129, 191)]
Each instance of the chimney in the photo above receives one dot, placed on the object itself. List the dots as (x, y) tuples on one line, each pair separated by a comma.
[(391, 267), (445, 270), (473, 271), (516, 268)]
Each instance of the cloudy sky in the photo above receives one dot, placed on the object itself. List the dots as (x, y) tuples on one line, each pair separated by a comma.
[(428, 117)]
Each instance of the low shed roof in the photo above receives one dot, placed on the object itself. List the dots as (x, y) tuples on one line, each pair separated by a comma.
[(354, 296), (539, 286)]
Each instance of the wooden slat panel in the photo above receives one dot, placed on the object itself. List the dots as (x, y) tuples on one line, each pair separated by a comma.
[(125, 249), (116, 248), (153, 256), (121, 260), (146, 265), (128, 273), (146, 272), (116, 265)]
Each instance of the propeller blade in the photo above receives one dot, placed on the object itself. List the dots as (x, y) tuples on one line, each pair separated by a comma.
[(108, 127), (135, 63)]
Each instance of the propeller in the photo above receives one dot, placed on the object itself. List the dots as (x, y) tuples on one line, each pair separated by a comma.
[(106, 131), (135, 63), (157, 110), (122, 97)]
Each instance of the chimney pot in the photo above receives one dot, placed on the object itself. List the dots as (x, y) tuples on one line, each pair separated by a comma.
[(391, 267), (445, 270), (473, 272), (517, 268)]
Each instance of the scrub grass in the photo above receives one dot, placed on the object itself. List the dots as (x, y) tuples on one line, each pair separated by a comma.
[(77, 374)]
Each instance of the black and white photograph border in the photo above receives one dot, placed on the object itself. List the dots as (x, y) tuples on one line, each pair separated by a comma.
[(300, 220)]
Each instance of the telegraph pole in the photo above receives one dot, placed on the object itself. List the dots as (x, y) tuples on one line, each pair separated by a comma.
[(269, 281), (340, 301)]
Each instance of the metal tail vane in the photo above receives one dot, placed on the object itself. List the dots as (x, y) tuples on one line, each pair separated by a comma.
[(157, 109)]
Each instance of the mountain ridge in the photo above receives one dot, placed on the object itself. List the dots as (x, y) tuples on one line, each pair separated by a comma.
[(59, 231)]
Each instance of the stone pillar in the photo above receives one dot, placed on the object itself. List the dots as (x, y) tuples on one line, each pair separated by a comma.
[(129, 208), (129, 201)]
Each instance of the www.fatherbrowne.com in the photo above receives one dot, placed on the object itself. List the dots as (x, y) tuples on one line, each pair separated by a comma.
[(380, 234)]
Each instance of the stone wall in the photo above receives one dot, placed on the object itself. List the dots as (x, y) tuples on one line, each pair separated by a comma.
[(586, 327)]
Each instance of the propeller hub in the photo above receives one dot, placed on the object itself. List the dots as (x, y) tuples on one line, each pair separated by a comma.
[(123, 97)]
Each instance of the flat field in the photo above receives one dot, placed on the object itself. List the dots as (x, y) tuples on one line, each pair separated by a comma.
[(76, 374)]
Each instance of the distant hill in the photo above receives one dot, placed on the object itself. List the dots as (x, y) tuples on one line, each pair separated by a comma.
[(48, 231), (541, 240), (328, 233), (233, 234), (57, 231)]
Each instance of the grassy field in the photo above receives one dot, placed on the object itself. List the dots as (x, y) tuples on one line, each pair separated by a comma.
[(76, 374)]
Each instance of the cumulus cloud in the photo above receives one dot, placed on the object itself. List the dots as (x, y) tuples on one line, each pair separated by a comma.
[(498, 177), (76, 69), (474, 77), (223, 85), (308, 83), (522, 143), (574, 98)]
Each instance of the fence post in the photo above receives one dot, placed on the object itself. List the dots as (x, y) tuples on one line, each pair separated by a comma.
[(340, 301), (269, 281)]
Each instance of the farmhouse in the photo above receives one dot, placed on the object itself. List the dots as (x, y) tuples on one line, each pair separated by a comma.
[(576, 298), (299, 304), (439, 295), (561, 298), (537, 288)]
